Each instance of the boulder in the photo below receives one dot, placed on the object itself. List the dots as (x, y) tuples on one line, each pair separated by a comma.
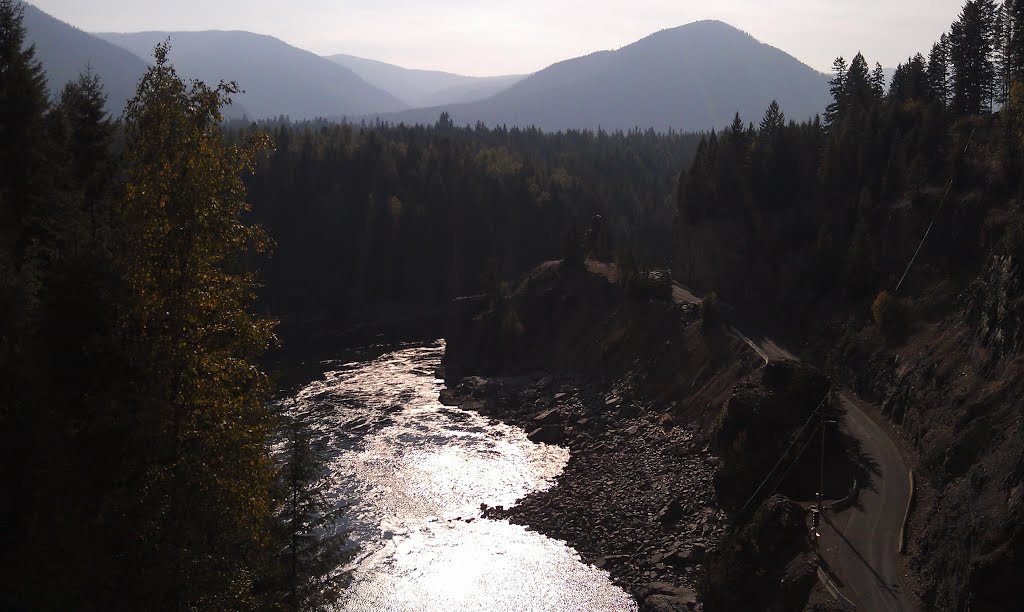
[(548, 434), (671, 513), (549, 417), (666, 597), (670, 603), (449, 397)]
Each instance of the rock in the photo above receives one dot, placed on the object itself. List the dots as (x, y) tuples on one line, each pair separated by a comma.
[(549, 417), (671, 513), (670, 603), (667, 421), (449, 397), (627, 410), (666, 597), (692, 555), (548, 434)]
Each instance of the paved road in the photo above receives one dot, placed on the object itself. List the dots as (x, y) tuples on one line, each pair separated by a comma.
[(866, 538), (867, 535)]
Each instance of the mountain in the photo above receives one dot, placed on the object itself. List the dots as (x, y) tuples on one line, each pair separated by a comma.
[(65, 51), (694, 77), (420, 88), (278, 79)]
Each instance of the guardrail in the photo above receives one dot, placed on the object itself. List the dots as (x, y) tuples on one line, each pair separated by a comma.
[(843, 601), (906, 515), (846, 502)]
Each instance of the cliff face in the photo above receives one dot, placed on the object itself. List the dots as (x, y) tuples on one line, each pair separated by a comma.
[(955, 389), (559, 319)]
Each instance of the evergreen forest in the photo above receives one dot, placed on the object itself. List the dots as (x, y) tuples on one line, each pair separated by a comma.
[(149, 262)]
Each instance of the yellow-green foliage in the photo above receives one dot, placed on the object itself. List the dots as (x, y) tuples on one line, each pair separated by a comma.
[(889, 314), (196, 340)]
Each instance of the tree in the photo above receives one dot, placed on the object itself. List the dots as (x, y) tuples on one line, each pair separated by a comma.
[(773, 121), (23, 107), (201, 398), (971, 42), (878, 82), (314, 546), (858, 89), (82, 104), (837, 87), (938, 71), (910, 80), (1014, 36)]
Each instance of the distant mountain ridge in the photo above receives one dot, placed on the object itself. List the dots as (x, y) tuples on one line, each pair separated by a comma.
[(278, 79), (65, 51), (694, 77), (425, 88)]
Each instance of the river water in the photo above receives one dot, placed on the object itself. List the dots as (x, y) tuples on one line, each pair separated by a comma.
[(415, 473)]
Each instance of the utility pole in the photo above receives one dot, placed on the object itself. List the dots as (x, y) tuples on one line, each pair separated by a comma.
[(821, 474)]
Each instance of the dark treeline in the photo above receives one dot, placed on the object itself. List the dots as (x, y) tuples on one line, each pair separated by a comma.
[(380, 221), (814, 227), (133, 420), (794, 213)]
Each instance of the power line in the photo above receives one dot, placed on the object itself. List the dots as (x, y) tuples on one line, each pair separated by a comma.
[(932, 224), (791, 444)]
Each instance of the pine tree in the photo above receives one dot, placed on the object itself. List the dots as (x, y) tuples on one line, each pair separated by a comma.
[(938, 71), (1013, 36), (859, 91), (971, 41), (773, 121), (23, 107), (878, 82), (314, 547), (837, 87)]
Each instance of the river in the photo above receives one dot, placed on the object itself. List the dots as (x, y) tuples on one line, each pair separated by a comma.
[(415, 473)]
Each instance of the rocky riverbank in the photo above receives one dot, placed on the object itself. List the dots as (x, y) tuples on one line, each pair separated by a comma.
[(636, 497)]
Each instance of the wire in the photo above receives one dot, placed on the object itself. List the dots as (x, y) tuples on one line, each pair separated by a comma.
[(791, 444), (932, 224), (797, 458)]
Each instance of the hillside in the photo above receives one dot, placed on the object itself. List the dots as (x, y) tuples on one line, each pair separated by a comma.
[(422, 88), (65, 51), (694, 77), (278, 79)]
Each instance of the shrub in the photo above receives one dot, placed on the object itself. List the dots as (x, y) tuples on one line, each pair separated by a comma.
[(890, 315), (709, 310)]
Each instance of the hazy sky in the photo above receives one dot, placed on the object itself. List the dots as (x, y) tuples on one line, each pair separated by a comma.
[(486, 37)]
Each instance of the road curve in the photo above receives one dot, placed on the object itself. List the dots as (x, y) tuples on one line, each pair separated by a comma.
[(868, 534)]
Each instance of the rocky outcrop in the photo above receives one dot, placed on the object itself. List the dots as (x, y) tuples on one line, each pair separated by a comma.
[(758, 423), (765, 566), (995, 307)]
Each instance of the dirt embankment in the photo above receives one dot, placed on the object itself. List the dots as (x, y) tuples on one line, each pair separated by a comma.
[(637, 389)]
